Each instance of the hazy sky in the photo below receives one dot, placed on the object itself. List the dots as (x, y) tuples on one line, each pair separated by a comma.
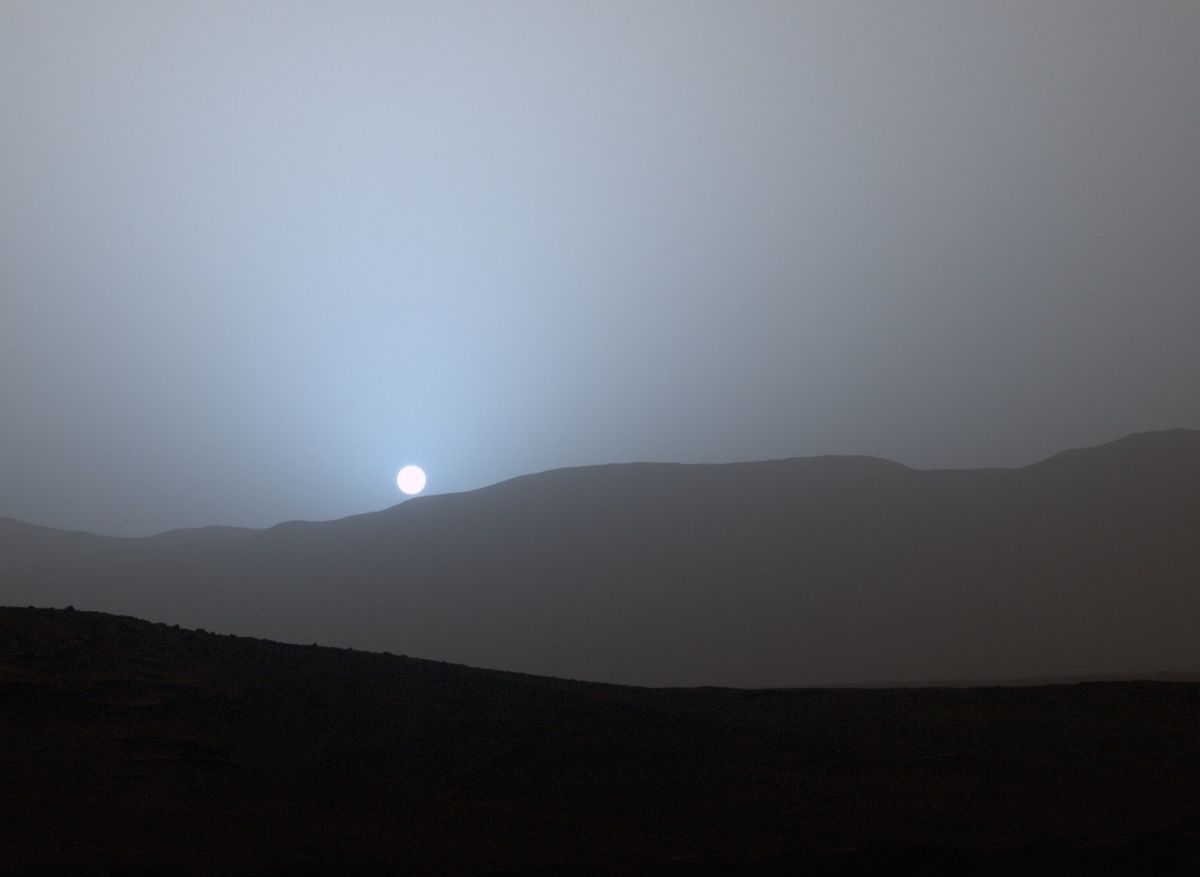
[(255, 256)]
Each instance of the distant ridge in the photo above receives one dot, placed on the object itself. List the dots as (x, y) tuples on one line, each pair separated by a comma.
[(203, 534), (806, 571), (1138, 446)]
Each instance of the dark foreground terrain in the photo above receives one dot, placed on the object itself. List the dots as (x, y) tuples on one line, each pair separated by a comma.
[(130, 744)]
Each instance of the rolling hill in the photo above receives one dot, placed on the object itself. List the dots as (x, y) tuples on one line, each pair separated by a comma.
[(812, 571)]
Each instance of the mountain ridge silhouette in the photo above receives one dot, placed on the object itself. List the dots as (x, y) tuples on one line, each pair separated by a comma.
[(802, 571)]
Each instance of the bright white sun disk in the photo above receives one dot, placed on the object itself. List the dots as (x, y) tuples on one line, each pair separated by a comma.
[(411, 480)]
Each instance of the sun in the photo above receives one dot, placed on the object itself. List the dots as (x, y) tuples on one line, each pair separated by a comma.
[(411, 480)]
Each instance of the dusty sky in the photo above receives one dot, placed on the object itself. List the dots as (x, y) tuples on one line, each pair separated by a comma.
[(255, 256)]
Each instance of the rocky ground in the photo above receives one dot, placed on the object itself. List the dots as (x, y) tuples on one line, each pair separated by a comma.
[(130, 744)]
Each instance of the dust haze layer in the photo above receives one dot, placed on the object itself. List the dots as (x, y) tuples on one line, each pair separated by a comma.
[(252, 261), (810, 571)]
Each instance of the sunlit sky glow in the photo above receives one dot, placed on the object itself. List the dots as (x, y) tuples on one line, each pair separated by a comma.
[(251, 254)]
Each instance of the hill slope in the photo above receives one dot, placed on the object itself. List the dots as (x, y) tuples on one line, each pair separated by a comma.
[(129, 744), (795, 572)]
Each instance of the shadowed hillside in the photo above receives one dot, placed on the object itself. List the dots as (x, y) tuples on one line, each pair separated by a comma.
[(810, 571), (135, 744)]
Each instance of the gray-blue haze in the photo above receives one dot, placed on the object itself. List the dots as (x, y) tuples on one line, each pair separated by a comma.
[(254, 256)]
